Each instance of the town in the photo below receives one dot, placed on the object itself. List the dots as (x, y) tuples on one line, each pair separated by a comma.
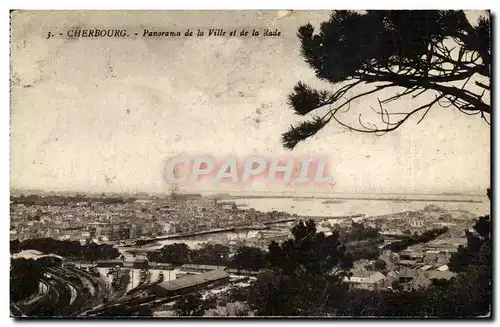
[(154, 250)]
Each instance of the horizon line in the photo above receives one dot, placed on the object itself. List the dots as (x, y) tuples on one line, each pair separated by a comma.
[(219, 192)]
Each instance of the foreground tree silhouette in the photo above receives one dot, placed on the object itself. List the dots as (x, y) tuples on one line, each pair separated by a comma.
[(249, 258), (478, 252), (470, 292), (474, 263), (304, 278), (305, 275), (411, 52)]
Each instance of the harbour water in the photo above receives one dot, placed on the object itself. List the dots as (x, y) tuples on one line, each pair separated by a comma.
[(323, 207), (339, 206)]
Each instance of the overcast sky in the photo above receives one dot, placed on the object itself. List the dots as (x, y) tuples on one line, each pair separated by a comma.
[(104, 115)]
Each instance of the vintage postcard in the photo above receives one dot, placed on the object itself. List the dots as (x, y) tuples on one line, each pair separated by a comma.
[(282, 163)]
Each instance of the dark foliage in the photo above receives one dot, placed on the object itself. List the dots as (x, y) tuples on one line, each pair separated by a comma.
[(364, 53), (211, 254), (305, 274), (425, 237), (249, 258), (67, 249), (301, 282), (359, 232), (477, 253), (179, 253), (361, 242), (379, 265), (467, 295), (24, 278), (368, 249), (190, 305)]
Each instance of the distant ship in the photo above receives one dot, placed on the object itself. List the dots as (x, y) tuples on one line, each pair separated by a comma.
[(333, 202), (302, 199), (401, 200), (452, 193)]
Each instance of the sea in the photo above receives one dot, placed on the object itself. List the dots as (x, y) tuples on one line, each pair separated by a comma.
[(346, 205), (367, 204)]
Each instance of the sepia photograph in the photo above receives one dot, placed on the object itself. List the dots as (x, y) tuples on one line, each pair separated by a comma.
[(176, 164)]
